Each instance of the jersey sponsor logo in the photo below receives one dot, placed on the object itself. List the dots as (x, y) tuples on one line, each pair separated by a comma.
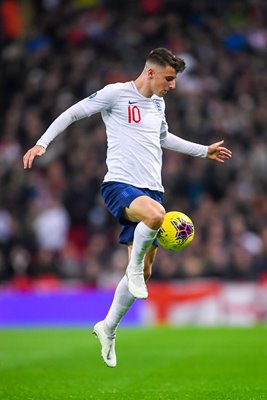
[(132, 102), (92, 95)]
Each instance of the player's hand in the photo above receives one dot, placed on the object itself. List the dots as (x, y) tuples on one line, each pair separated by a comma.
[(31, 154), (218, 153)]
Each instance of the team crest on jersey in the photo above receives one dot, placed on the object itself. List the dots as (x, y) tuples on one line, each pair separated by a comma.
[(157, 104), (92, 95)]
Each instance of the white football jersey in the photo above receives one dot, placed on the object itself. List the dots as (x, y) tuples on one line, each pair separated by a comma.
[(136, 130)]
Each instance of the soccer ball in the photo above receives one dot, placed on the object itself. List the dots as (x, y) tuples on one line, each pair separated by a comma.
[(176, 232)]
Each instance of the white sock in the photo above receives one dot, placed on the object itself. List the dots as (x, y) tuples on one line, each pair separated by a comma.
[(143, 238), (122, 301)]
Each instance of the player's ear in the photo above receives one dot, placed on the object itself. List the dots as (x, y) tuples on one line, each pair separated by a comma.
[(150, 72)]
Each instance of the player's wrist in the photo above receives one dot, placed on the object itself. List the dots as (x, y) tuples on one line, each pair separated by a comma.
[(41, 144)]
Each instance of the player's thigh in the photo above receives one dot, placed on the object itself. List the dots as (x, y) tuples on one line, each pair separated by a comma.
[(145, 209), (148, 260)]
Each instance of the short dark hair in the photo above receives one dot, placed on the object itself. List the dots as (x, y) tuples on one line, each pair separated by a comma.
[(165, 57)]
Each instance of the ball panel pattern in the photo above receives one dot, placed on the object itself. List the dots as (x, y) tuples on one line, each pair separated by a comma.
[(176, 232)]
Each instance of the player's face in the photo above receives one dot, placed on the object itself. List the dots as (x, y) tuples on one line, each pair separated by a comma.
[(163, 80)]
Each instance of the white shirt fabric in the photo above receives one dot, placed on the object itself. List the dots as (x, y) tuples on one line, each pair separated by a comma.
[(136, 132)]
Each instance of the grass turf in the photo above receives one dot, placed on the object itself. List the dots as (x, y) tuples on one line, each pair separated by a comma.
[(153, 363)]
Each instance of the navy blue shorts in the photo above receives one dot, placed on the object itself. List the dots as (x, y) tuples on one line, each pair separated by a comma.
[(118, 196)]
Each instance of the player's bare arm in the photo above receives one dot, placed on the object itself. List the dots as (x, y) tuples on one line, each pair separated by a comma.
[(28, 158), (218, 153)]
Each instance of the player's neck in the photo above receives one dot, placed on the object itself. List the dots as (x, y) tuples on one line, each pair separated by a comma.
[(143, 87)]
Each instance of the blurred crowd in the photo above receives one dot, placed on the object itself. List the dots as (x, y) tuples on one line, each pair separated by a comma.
[(54, 53)]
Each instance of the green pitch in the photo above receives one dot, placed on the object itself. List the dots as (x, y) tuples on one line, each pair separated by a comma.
[(153, 363)]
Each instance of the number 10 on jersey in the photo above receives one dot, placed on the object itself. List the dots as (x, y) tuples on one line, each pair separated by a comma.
[(134, 114)]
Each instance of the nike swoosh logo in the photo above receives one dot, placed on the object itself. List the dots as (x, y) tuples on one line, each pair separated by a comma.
[(132, 102)]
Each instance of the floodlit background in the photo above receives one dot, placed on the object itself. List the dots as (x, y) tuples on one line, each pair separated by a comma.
[(59, 256)]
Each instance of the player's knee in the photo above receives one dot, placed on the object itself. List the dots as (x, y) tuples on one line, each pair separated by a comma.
[(157, 216)]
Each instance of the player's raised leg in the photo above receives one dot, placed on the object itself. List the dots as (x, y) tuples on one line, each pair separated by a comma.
[(150, 213)]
